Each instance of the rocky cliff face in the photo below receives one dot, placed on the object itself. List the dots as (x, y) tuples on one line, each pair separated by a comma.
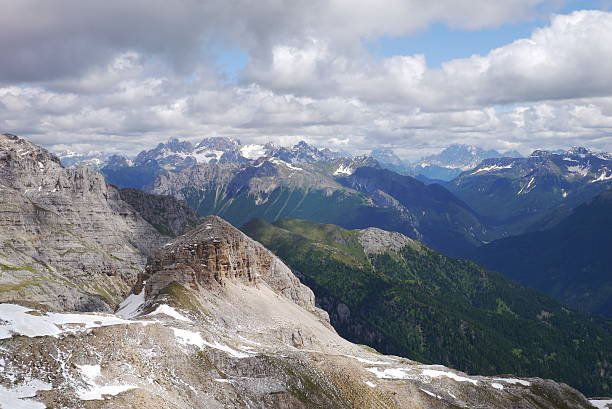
[(67, 239), (215, 254), (170, 216)]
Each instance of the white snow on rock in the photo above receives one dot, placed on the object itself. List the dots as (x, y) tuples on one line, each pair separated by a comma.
[(601, 403), (186, 337), (580, 170), (169, 311), (602, 178), (370, 384), (17, 396), (497, 386), (528, 188), (490, 168), (369, 362), (513, 381), (227, 349), (433, 373), (95, 391), (253, 151), (205, 156), (18, 320), (389, 373), (130, 307), (287, 164), (431, 393), (343, 170)]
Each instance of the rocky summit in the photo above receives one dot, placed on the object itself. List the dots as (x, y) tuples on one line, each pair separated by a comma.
[(215, 254), (216, 321)]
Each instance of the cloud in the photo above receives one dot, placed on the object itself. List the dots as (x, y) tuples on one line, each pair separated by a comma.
[(122, 76), (67, 38), (568, 59)]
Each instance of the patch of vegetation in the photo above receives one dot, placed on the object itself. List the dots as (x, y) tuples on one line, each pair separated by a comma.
[(17, 286), (502, 308), (6, 267), (163, 230), (182, 297), (431, 308)]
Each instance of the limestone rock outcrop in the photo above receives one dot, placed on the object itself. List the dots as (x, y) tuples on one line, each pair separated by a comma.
[(215, 253), (65, 229)]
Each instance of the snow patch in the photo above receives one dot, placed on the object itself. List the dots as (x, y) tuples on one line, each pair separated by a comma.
[(513, 381), (131, 306), (205, 156), (389, 373), (13, 398), (186, 337), (227, 350), (433, 373), (253, 151), (370, 384), (528, 188), (497, 386), (490, 168), (169, 311), (282, 162), (344, 170), (16, 320), (431, 393), (95, 391), (601, 403), (580, 170), (602, 178)]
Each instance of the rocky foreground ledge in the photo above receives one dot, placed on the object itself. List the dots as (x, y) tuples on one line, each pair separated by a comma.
[(217, 321)]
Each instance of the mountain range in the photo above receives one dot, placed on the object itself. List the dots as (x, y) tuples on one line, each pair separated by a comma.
[(176, 154), (300, 182), (499, 197), (534, 192), (102, 308), (455, 159)]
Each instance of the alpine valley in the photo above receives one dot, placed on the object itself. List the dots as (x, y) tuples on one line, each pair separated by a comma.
[(132, 287)]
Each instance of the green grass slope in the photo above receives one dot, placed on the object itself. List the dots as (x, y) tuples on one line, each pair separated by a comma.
[(423, 305), (571, 261)]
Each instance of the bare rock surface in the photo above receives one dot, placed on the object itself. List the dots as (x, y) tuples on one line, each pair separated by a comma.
[(378, 241), (67, 239), (216, 253), (170, 216)]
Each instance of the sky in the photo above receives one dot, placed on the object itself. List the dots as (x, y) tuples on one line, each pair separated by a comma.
[(411, 75)]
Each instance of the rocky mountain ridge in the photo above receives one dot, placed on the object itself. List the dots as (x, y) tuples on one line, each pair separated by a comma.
[(520, 191), (455, 159)]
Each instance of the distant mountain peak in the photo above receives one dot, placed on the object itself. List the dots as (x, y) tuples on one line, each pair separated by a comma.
[(579, 150), (540, 153), (218, 142), (387, 157)]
